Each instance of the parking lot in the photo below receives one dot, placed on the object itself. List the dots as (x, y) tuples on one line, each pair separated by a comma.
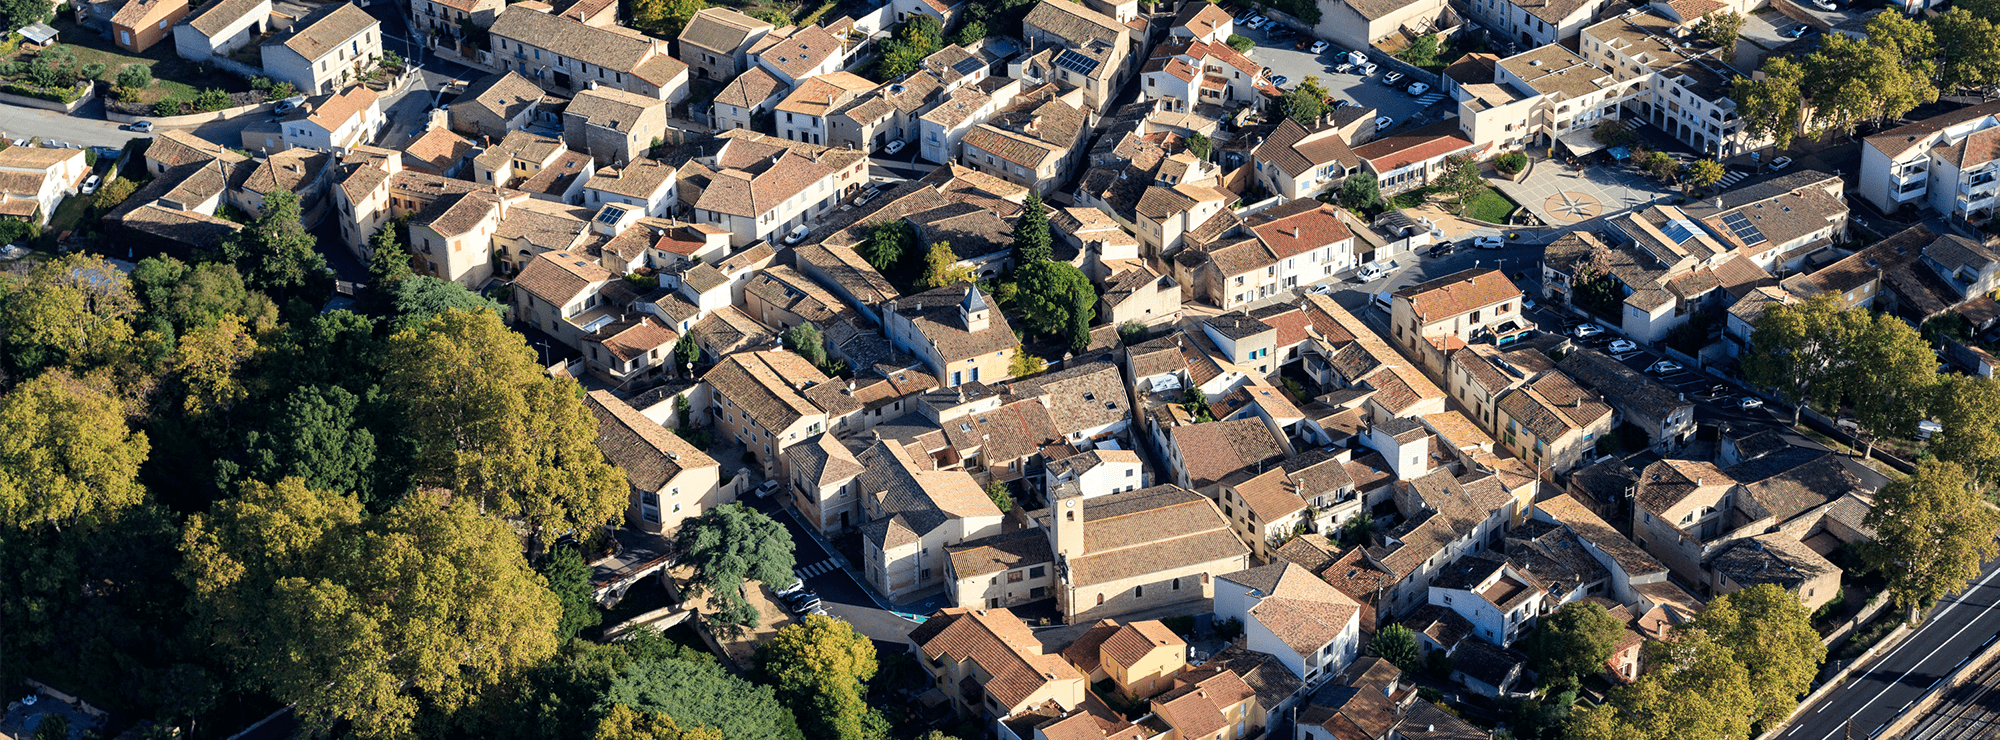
[(1766, 31), (1296, 64)]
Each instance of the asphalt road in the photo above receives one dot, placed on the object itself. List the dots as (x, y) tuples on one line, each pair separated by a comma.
[(1878, 693), (844, 596), (1296, 64), (20, 122)]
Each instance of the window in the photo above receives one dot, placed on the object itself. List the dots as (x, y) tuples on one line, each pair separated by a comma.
[(1138, 592), (1038, 571), (1100, 599), (1015, 576), (1177, 584)]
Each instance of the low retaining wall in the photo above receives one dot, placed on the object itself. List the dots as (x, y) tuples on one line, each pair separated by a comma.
[(28, 102), (191, 119)]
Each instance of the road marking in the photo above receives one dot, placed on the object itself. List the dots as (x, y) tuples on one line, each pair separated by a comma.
[(1933, 620)]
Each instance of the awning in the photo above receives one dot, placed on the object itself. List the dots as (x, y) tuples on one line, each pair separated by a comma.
[(1580, 141)]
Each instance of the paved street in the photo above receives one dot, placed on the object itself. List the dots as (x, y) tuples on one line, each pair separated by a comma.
[(1878, 693), (844, 596), (1368, 91), (20, 122)]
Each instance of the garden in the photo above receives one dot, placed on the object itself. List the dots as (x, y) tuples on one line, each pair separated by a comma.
[(55, 72)]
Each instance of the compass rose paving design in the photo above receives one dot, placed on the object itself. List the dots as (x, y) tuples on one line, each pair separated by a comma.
[(1571, 207)]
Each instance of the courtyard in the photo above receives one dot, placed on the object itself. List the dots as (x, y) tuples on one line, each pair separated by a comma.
[(1560, 193)]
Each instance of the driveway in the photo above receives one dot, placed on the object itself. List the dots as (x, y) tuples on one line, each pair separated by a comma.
[(1368, 91)]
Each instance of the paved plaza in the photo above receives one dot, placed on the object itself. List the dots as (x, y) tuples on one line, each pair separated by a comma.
[(1560, 194)]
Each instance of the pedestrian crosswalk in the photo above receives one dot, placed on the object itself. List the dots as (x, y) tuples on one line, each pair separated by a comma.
[(1732, 178), (814, 570), (1429, 100)]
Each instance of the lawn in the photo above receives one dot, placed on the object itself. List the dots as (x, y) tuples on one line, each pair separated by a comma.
[(1489, 206), (173, 77), (68, 214)]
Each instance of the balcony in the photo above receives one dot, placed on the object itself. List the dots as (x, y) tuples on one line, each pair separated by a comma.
[(1908, 194), (1979, 187), (1910, 174)]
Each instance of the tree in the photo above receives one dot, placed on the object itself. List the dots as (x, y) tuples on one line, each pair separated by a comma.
[(1133, 332), (1721, 29), (1422, 52), (209, 365), (1932, 532), (68, 457), (1848, 80), (1705, 172), (135, 76), (664, 18), (686, 351), (1396, 644), (702, 694), (1574, 643), (1797, 349), (1965, 48), (53, 726), (914, 39), (191, 297), (1460, 180), (72, 310), (1895, 372), (569, 580), (1049, 294), (488, 423), (275, 252), (996, 491), (112, 194), (1024, 364), (1196, 404), (1031, 234), (806, 340), (1360, 191), (727, 546), (887, 242), (1305, 103), (622, 723), (20, 13), (353, 619), (970, 33), (1968, 407), (1242, 44), (941, 268), (820, 666), (1696, 689), (316, 436), (1771, 634), (420, 298), (1200, 146)]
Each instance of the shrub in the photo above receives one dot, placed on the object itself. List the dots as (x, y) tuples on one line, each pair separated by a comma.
[(167, 107), (212, 99), (1241, 44), (1510, 162), (260, 83), (59, 95), (127, 94), (94, 70), (283, 90)]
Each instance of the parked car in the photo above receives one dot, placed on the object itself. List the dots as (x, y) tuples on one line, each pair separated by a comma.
[(1391, 78), (1370, 272), (1442, 249), (1369, 69), (893, 147), (1245, 17), (1586, 330), (1383, 123), (767, 488), (1320, 289), (1280, 80), (1793, 32), (867, 195), (1780, 163), (1622, 346), (1417, 89), (141, 127), (89, 186), (1528, 304), (1344, 68), (1320, 47), (1489, 242), (1750, 402), (1825, 5), (797, 586), (1664, 367), (798, 234)]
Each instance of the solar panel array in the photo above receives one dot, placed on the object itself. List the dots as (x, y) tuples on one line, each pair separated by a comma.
[(1745, 231), (1679, 231), (968, 66), (1075, 62)]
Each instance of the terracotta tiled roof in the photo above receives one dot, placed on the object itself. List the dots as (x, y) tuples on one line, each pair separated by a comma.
[(325, 34), (573, 39), (611, 108), (1212, 451), (766, 386), (1202, 18), (999, 553), (802, 51), (1459, 293), (1410, 147), (438, 148), (504, 95), (217, 16), (649, 454), (1000, 644), (721, 30), (1148, 531), (750, 88), (559, 277)]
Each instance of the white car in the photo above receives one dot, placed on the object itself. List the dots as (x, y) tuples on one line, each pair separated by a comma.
[(1320, 47), (1391, 78), (1824, 5), (1370, 272), (1622, 346), (1664, 367), (769, 487), (1489, 242), (89, 186), (893, 147), (1369, 69), (1344, 68), (1320, 289), (1417, 89), (798, 234), (1257, 22), (1750, 402), (1586, 331), (1383, 123), (1780, 163)]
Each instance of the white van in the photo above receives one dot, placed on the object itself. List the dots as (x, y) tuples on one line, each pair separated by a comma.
[(1371, 272), (1381, 301)]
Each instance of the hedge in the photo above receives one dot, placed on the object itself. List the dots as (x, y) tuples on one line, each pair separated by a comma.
[(59, 96)]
